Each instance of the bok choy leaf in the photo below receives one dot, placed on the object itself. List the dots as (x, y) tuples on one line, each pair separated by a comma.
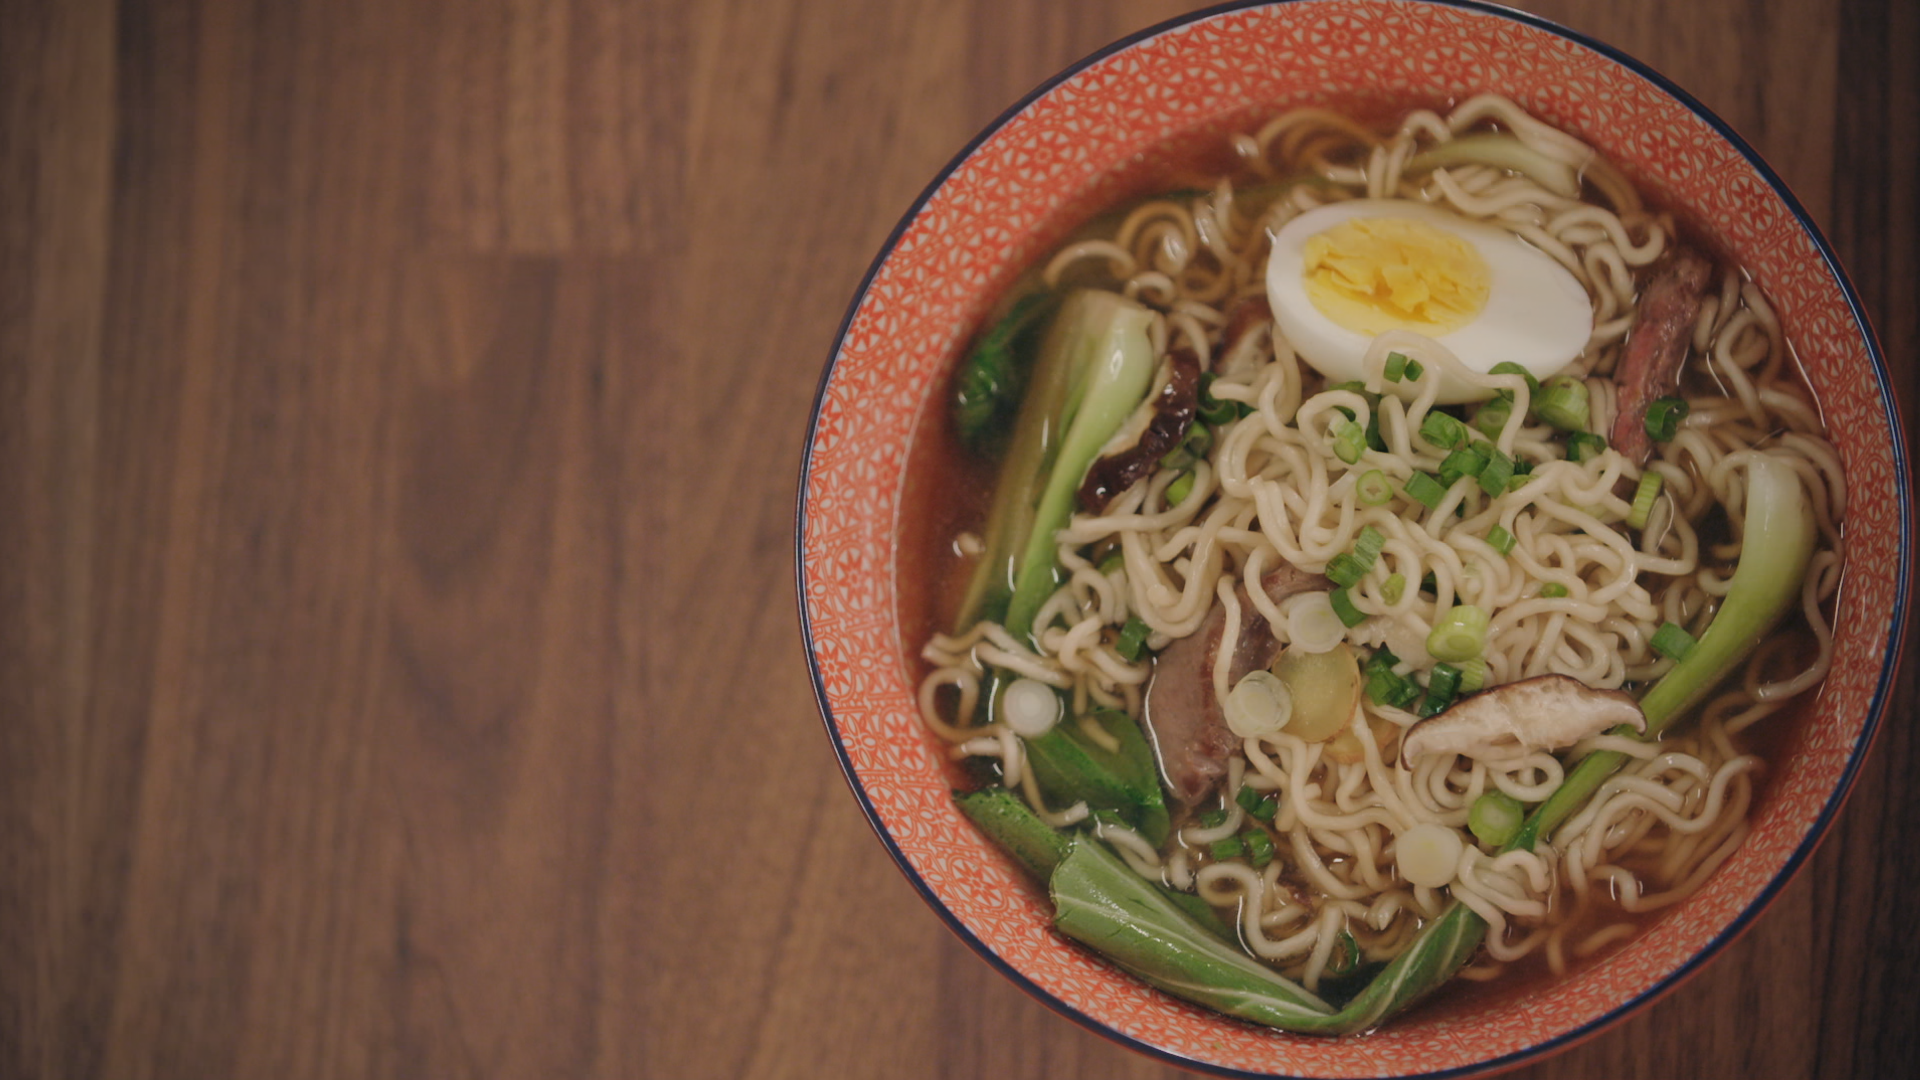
[(1095, 367)]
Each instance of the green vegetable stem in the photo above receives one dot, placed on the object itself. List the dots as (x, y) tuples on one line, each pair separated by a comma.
[(1095, 367)]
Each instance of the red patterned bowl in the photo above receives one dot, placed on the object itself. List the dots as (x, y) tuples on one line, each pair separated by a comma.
[(1111, 126)]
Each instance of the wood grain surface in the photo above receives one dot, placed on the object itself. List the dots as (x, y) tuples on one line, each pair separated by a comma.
[(400, 410)]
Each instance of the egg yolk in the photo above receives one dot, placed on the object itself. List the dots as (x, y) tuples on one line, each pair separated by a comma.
[(1374, 274)]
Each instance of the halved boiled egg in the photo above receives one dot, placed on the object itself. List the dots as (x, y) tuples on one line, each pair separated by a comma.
[(1341, 275)]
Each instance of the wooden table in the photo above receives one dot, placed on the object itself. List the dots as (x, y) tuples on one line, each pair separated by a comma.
[(402, 404)]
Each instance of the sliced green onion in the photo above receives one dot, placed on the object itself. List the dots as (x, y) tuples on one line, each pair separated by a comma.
[(1501, 539), (1392, 589), (1497, 473), (1346, 956), (1230, 848), (1178, 491), (1216, 412), (1396, 366), (1582, 445), (1664, 416), (1386, 688), (1259, 847), (1563, 403), (1553, 590), (1508, 367), (1115, 560), (1349, 440), (1495, 818), (1264, 807), (1644, 497), (1373, 488), (1424, 490), (1193, 448), (1491, 418), (1415, 370), (1346, 569), (1443, 682), (1133, 639), (1522, 472), (1672, 642), (1382, 658), (1460, 636), (1213, 819), (1473, 675), (1466, 461), (1443, 430), (1350, 616)]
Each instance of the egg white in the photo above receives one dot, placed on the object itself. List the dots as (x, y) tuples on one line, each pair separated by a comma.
[(1537, 314)]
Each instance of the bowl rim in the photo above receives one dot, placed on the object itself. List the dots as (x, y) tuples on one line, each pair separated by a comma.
[(1895, 633)]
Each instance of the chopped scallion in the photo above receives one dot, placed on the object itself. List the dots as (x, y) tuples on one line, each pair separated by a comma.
[(1664, 416), (1644, 497), (1467, 461), (1443, 430), (1373, 488), (1346, 569), (1425, 490), (1473, 675), (1368, 544), (1460, 635), (1230, 848), (1213, 819), (1396, 366), (1259, 847), (1443, 682), (1192, 448), (1264, 807), (1582, 445), (1386, 688), (1563, 403), (1181, 487), (1501, 539), (1392, 589), (1133, 639), (1491, 419), (1553, 590), (1349, 440), (1495, 818), (1494, 477), (1214, 411), (1508, 367), (1672, 642), (1414, 370), (1350, 616)]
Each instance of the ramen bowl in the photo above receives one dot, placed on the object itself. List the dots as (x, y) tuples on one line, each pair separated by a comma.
[(1119, 124)]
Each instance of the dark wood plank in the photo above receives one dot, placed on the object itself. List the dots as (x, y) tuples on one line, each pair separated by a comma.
[(400, 407)]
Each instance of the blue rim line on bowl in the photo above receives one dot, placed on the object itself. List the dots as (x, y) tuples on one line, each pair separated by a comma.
[(1895, 632)]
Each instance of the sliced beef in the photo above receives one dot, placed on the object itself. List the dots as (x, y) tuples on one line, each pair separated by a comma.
[(1189, 733), (1650, 368)]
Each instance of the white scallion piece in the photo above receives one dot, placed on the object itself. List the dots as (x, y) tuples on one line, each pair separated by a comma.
[(1259, 705), (1030, 707), (1312, 625), (1428, 854)]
